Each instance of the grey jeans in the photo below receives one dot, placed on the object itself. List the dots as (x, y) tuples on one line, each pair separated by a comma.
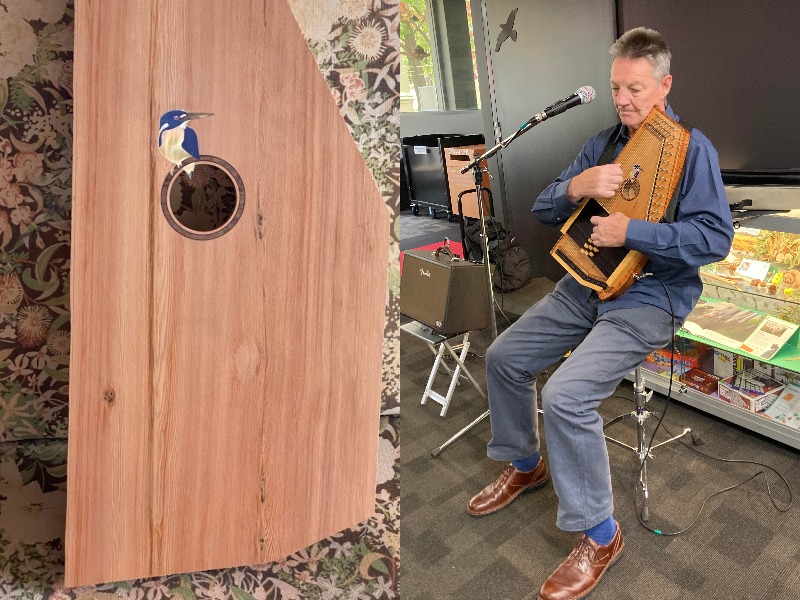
[(604, 349)]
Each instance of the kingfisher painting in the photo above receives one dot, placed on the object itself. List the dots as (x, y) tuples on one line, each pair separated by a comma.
[(177, 142)]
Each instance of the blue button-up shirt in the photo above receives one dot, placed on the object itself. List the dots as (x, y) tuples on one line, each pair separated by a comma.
[(701, 234)]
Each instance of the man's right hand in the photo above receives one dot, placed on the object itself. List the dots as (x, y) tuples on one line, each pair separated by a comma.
[(597, 182)]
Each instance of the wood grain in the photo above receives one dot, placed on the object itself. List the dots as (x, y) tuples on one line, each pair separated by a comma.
[(224, 394)]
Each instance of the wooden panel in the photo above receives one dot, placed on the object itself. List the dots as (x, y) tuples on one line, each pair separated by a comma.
[(224, 393), (456, 159)]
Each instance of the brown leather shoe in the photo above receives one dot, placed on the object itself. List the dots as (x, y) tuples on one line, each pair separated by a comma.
[(581, 572), (505, 489)]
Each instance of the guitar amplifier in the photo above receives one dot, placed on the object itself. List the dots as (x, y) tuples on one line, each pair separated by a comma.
[(447, 294)]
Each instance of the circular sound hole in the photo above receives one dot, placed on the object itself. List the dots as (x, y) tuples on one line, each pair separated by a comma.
[(204, 199), (630, 189)]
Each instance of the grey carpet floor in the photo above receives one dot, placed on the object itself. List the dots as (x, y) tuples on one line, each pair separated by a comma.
[(741, 547)]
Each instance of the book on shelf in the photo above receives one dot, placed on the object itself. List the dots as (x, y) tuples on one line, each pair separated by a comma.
[(735, 327), (786, 409)]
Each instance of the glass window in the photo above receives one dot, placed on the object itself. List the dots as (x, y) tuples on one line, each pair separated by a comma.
[(438, 70)]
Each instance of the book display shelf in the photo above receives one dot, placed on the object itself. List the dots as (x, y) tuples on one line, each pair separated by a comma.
[(738, 355)]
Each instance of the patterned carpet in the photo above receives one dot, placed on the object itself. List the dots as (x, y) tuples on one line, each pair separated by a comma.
[(356, 45), (741, 547), (361, 562)]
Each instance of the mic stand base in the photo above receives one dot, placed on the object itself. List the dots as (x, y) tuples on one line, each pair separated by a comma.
[(437, 451)]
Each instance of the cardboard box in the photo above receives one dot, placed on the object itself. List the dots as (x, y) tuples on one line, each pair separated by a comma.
[(708, 383), (724, 363), (763, 368), (727, 363), (664, 371), (786, 376), (688, 356), (750, 390)]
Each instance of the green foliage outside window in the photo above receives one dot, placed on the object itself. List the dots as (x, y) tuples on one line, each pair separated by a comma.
[(415, 46)]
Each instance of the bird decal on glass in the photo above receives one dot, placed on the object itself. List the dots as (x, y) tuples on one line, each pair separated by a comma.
[(507, 30), (177, 142)]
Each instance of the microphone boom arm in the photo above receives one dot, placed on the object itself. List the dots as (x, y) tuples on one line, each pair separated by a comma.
[(492, 151), (583, 95)]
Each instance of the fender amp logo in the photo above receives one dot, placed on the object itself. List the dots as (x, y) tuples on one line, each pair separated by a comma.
[(424, 273)]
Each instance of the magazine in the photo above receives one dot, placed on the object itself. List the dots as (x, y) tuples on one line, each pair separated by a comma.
[(786, 409), (735, 327)]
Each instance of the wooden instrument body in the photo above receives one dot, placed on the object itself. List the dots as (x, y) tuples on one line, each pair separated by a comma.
[(224, 393), (652, 164)]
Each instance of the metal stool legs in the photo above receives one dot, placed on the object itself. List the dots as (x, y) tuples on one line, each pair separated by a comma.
[(640, 413), (454, 373), (438, 345)]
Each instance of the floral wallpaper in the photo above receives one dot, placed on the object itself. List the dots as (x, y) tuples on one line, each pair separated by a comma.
[(356, 46), (35, 198)]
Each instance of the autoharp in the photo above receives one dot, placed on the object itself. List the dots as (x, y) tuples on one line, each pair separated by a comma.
[(652, 164)]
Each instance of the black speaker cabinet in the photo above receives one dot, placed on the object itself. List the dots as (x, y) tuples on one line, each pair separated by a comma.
[(447, 294)]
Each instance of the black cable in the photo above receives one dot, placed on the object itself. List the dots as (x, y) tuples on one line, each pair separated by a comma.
[(499, 308), (727, 489), (671, 365), (749, 462), (621, 397), (729, 460), (499, 265), (703, 505)]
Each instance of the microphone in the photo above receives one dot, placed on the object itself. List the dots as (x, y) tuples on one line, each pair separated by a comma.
[(583, 95)]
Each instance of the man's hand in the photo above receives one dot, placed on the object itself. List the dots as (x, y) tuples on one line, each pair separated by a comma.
[(610, 231), (597, 182)]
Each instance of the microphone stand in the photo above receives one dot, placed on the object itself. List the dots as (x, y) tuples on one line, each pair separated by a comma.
[(477, 173)]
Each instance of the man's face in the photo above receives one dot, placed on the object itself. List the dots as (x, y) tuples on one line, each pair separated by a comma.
[(636, 90)]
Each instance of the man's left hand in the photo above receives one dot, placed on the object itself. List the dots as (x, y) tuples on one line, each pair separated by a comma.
[(610, 231)]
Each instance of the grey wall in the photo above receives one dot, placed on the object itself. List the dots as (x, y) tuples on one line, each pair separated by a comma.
[(561, 45)]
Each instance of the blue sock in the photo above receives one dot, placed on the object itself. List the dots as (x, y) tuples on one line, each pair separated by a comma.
[(603, 532), (526, 465)]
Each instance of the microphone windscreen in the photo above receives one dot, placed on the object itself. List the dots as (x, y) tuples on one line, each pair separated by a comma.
[(586, 94)]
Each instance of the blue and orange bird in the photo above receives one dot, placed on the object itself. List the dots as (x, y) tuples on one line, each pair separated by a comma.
[(177, 142)]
